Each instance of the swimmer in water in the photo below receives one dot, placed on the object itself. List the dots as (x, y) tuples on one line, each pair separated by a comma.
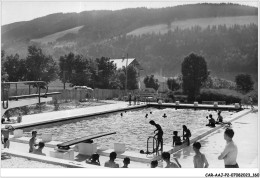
[(121, 114), (164, 115), (146, 115), (151, 112)]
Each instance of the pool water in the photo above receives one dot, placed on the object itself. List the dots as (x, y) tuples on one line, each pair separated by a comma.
[(132, 128)]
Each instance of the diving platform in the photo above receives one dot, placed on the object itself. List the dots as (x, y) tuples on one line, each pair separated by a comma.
[(66, 145)]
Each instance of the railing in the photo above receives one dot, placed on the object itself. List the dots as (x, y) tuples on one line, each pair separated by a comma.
[(154, 145), (38, 84)]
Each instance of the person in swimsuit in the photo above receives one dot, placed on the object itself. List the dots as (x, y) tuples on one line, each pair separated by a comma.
[(229, 155), (126, 162), (111, 162), (38, 151), (176, 140), (169, 164), (94, 159), (159, 135), (5, 133), (32, 141), (199, 160), (154, 164), (186, 134)]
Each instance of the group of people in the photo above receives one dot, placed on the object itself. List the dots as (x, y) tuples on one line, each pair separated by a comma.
[(229, 155), (135, 98), (33, 145), (213, 122), (176, 140), (94, 159)]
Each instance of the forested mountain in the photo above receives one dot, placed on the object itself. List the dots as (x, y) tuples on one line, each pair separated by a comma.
[(104, 33)]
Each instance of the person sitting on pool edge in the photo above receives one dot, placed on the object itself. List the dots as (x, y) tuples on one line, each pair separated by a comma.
[(212, 121), (111, 162), (176, 140), (166, 158), (38, 151), (220, 120), (154, 164), (94, 159), (159, 135), (126, 161), (186, 134)]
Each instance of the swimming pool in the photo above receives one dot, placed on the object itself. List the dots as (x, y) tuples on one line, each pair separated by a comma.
[(132, 128)]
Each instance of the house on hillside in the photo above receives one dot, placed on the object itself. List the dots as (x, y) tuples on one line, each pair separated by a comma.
[(123, 62)]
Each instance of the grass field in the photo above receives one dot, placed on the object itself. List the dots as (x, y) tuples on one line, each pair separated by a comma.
[(202, 22), (53, 37)]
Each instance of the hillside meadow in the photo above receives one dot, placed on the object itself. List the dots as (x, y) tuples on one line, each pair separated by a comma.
[(202, 22)]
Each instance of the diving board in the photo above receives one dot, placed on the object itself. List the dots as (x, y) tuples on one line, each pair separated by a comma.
[(32, 96), (66, 145)]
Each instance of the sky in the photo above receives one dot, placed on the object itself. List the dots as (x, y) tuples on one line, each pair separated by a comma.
[(21, 10)]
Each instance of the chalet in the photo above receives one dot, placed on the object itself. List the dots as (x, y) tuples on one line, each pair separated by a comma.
[(120, 63)]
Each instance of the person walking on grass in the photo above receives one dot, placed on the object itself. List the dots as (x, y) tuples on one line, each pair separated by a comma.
[(199, 160), (229, 155)]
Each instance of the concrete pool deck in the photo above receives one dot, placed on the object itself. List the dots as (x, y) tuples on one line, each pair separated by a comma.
[(64, 115), (246, 139)]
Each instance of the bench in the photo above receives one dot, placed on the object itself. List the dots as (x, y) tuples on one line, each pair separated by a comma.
[(212, 102), (66, 145), (32, 96)]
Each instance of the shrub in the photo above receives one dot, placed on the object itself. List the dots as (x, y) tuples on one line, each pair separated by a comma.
[(230, 96)]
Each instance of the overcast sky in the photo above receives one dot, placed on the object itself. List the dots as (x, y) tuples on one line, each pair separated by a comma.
[(20, 10)]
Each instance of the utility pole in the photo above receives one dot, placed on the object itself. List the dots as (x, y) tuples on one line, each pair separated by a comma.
[(126, 72), (64, 80)]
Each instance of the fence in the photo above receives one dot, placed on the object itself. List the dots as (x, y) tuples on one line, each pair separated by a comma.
[(74, 95)]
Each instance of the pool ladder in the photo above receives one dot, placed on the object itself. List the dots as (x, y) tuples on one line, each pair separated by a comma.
[(154, 142)]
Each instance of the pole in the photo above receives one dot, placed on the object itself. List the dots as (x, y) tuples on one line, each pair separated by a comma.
[(64, 79), (126, 72)]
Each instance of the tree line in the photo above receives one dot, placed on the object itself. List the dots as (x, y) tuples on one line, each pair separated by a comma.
[(226, 49), (195, 75), (75, 69)]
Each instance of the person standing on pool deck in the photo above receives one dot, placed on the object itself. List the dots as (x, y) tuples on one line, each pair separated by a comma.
[(251, 102), (32, 141), (129, 98), (5, 132), (186, 134), (230, 152), (159, 135)]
